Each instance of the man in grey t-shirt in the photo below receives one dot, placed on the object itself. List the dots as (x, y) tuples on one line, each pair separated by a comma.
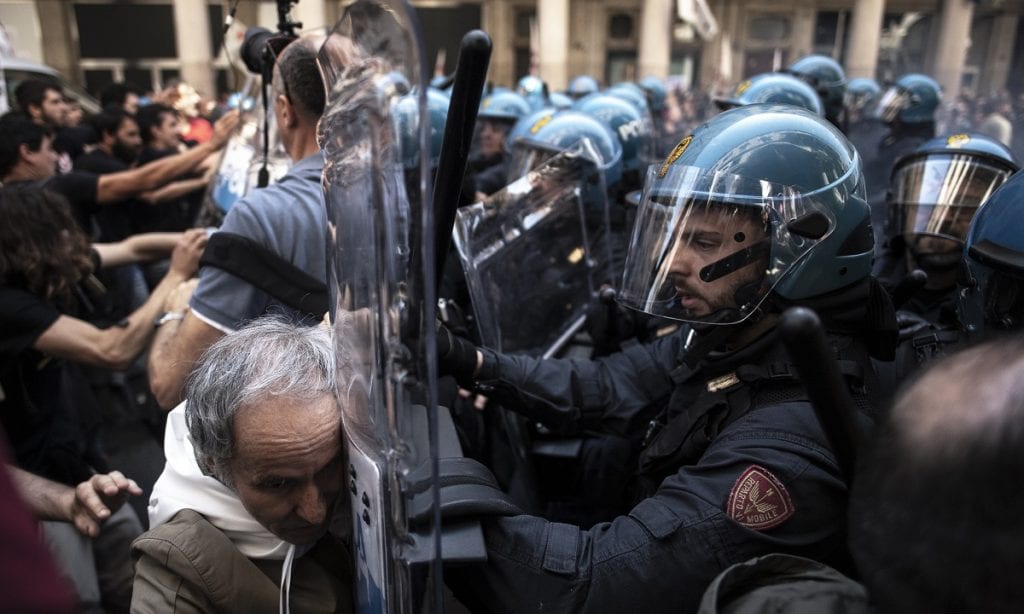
[(288, 218)]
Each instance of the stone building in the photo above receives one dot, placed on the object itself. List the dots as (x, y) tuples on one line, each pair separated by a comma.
[(975, 45)]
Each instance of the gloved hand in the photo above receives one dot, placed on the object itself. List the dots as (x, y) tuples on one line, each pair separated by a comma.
[(456, 357)]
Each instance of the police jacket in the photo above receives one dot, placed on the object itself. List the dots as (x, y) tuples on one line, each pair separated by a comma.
[(735, 465)]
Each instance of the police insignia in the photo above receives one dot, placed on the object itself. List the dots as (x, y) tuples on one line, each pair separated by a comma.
[(674, 155), (742, 87), (758, 500), (540, 123), (957, 140)]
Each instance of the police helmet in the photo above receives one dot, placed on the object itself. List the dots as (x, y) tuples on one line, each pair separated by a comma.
[(559, 101), (656, 93), (582, 85), (913, 99), (827, 77), (626, 123), (631, 93), (761, 201), (992, 294), (862, 94), (936, 190), (406, 117), (503, 106), (776, 88), (534, 91), (557, 131)]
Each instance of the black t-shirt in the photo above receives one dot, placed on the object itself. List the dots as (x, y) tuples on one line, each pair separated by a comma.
[(44, 398), (115, 220)]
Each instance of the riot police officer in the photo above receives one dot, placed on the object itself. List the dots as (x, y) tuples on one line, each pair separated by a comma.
[(908, 109), (828, 78), (932, 198), (760, 208)]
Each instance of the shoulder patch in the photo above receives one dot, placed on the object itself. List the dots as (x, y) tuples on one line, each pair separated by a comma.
[(758, 500), (674, 155)]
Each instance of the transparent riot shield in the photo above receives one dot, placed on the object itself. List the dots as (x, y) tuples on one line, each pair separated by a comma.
[(382, 303), (242, 157), (535, 253)]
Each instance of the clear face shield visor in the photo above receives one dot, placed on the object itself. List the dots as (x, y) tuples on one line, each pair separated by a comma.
[(709, 247), (892, 101), (934, 199)]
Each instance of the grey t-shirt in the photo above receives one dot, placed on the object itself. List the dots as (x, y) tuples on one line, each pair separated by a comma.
[(288, 218)]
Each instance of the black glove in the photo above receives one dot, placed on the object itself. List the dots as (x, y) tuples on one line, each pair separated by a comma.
[(456, 357)]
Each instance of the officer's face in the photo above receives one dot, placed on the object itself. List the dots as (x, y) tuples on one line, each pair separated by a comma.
[(492, 137), (709, 236), (287, 467)]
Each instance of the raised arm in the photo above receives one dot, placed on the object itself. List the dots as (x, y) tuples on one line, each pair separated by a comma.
[(116, 347), (114, 187)]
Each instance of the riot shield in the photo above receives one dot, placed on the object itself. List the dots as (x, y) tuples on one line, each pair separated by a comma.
[(241, 160), (534, 253), (382, 302)]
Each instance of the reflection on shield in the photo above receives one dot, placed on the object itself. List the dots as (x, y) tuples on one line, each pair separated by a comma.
[(381, 302), (535, 252), (241, 160)]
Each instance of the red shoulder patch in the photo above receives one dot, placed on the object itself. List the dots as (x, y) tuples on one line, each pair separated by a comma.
[(758, 500)]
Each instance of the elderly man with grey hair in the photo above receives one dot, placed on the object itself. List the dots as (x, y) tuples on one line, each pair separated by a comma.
[(240, 517)]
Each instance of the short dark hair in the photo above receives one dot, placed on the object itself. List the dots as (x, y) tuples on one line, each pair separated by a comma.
[(17, 129), (936, 507), (301, 77), (31, 92), (109, 121), (151, 116), (116, 93)]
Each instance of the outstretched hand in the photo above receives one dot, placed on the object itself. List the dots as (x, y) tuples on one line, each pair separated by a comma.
[(94, 500)]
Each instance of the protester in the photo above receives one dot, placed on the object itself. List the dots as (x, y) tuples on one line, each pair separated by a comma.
[(254, 477)]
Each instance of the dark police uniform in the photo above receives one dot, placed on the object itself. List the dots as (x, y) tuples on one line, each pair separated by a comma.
[(735, 465)]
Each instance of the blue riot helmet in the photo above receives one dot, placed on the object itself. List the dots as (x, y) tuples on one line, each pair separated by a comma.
[(656, 93), (526, 124), (862, 95), (991, 297), (534, 91), (778, 88), (498, 113), (632, 94), (582, 85), (559, 101), (551, 134), (627, 124), (827, 78), (503, 106), (406, 116), (913, 99), (936, 191), (762, 201)]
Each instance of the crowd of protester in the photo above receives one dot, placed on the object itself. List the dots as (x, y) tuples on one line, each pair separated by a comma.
[(109, 319)]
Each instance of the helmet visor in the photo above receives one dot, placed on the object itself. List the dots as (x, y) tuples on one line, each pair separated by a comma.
[(894, 100), (937, 196), (709, 247)]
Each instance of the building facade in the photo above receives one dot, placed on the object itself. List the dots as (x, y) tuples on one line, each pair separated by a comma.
[(975, 46)]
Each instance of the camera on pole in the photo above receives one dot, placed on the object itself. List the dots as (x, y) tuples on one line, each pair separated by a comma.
[(259, 51)]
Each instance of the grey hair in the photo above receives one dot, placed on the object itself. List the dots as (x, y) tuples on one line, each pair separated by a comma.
[(269, 357)]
